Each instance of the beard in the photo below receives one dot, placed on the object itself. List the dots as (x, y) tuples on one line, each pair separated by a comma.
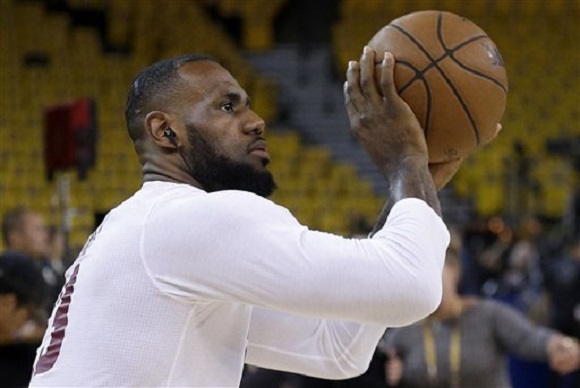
[(217, 172)]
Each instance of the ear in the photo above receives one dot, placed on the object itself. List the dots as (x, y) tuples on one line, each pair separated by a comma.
[(156, 122)]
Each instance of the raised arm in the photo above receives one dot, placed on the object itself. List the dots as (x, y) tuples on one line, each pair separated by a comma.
[(391, 135), (389, 131)]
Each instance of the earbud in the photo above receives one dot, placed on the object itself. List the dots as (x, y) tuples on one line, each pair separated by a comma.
[(168, 133)]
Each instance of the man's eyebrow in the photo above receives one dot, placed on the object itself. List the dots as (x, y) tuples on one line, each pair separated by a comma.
[(237, 98)]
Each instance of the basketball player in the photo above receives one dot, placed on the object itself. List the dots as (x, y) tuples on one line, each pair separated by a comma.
[(198, 273)]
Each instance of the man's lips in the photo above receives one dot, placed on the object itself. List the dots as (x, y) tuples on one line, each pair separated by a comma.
[(260, 149)]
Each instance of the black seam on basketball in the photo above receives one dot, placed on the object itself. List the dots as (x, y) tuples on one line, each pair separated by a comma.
[(470, 70), (429, 103), (442, 73), (448, 81), (470, 40), (427, 89), (412, 38), (450, 51), (418, 75)]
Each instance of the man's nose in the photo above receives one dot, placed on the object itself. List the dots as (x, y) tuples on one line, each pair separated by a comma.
[(255, 124)]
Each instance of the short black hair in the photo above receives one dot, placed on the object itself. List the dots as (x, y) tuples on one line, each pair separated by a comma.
[(151, 86), (12, 221)]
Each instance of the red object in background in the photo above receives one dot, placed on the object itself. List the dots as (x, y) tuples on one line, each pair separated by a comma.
[(70, 134)]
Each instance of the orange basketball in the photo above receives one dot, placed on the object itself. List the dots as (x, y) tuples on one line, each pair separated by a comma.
[(452, 76)]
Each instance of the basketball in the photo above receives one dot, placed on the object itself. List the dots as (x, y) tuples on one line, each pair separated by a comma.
[(452, 76)]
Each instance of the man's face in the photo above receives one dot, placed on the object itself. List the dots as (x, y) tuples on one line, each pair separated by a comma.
[(32, 237), (225, 145), (218, 172)]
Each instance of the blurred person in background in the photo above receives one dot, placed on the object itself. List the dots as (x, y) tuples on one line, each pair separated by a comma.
[(571, 219), (25, 233), (486, 245), (521, 280), (57, 250), (29, 286), (12, 316), (466, 341), (22, 318), (563, 285), (562, 279)]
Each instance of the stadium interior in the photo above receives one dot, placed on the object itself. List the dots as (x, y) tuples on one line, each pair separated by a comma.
[(290, 56)]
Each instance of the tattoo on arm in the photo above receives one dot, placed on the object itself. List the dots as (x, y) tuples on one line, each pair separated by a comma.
[(410, 179)]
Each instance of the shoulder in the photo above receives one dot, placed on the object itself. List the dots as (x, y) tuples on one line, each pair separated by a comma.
[(230, 203), (241, 202), (196, 210)]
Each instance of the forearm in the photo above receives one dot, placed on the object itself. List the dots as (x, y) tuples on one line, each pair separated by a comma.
[(408, 178)]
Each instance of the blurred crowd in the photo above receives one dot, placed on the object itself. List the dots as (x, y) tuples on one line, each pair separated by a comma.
[(31, 276)]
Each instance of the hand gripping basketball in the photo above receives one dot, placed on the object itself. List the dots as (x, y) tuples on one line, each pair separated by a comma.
[(381, 121)]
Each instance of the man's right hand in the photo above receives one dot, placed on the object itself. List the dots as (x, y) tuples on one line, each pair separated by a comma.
[(382, 122), (389, 131)]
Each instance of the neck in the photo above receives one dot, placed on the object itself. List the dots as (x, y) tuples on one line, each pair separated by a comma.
[(165, 167), (159, 176), (166, 172)]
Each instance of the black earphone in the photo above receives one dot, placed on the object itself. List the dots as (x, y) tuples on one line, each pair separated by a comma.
[(168, 133)]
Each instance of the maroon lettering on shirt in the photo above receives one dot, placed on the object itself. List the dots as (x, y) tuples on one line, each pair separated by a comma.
[(49, 354)]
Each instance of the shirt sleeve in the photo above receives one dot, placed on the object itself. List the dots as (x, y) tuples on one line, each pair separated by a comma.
[(243, 248), (518, 335), (321, 301)]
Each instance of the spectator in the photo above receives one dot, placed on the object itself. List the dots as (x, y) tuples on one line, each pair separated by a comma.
[(22, 317), (24, 232), (465, 342), (562, 278), (28, 288)]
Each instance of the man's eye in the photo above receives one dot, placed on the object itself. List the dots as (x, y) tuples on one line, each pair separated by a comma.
[(227, 107)]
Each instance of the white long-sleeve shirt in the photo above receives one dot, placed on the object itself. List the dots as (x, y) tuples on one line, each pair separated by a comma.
[(179, 287)]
